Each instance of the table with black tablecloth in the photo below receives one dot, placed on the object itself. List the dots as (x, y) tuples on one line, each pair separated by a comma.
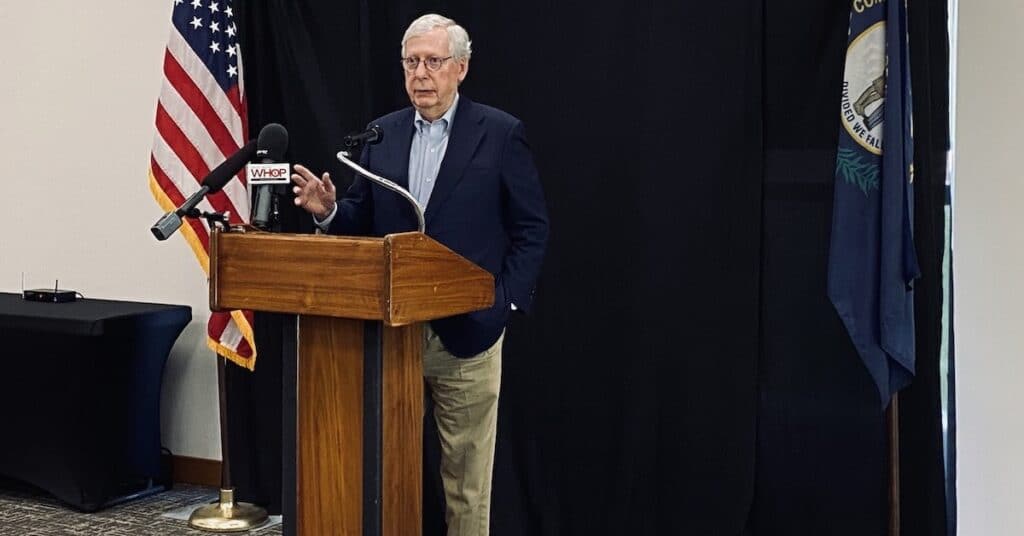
[(80, 395)]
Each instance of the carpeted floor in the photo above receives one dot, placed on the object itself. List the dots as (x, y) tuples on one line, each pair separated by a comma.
[(25, 511)]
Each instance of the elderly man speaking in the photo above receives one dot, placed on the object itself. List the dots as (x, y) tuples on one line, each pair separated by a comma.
[(469, 166)]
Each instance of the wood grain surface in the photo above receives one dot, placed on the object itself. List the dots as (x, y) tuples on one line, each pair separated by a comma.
[(329, 468), (403, 431)]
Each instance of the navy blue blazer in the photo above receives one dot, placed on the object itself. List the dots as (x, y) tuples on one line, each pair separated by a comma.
[(487, 205)]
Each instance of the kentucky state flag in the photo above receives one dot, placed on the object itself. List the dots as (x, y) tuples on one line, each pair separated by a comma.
[(872, 263)]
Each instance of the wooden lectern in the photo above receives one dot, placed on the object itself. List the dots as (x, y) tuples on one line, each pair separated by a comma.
[(359, 381)]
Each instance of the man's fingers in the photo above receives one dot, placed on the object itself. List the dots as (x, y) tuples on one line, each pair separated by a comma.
[(310, 191), (304, 173)]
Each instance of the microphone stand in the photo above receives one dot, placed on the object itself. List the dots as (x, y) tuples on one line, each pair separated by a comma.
[(343, 157), (212, 218)]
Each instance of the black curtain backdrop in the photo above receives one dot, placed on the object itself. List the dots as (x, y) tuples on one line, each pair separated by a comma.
[(821, 449), (683, 372), (925, 504)]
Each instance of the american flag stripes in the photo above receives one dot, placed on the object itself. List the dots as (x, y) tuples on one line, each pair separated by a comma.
[(200, 120)]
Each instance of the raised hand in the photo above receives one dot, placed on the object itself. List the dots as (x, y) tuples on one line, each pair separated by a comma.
[(316, 196)]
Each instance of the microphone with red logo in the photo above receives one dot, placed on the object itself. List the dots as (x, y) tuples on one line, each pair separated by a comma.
[(214, 182), (265, 176)]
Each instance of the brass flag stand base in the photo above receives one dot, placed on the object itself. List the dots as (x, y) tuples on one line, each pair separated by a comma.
[(227, 515)]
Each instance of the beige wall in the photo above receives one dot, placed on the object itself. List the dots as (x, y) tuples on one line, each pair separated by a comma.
[(988, 267), (77, 100)]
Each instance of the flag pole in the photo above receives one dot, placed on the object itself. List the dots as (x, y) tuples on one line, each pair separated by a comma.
[(893, 414), (894, 421), (226, 515)]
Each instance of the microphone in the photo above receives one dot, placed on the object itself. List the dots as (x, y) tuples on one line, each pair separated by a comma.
[(213, 182), (270, 148), (370, 136), (271, 143)]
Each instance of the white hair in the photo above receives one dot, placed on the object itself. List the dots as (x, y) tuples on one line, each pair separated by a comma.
[(459, 45)]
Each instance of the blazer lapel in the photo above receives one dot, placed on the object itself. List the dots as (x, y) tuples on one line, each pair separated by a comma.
[(462, 143), (402, 130)]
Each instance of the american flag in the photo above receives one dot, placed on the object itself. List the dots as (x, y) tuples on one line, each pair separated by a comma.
[(201, 120)]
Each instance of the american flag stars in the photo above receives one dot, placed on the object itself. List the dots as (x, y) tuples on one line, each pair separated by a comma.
[(211, 28)]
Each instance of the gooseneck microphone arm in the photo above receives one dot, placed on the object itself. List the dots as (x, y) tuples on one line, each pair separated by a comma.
[(343, 157)]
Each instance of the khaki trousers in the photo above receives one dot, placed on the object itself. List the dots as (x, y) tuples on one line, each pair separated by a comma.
[(465, 395)]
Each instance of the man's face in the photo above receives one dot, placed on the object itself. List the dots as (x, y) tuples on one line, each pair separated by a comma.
[(432, 92)]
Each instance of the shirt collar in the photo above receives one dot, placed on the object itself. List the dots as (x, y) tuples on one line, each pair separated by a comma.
[(446, 119)]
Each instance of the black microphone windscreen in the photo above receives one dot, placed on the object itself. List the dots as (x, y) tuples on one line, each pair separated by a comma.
[(228, 168), (272, 142), (379, 134)]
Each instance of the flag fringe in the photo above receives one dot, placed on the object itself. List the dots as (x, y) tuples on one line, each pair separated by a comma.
[(238, 316)]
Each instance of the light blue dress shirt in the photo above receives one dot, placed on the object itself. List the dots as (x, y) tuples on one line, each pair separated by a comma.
[(429, 144)]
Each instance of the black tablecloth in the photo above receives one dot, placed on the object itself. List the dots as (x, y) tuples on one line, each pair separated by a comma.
[(80, 394)]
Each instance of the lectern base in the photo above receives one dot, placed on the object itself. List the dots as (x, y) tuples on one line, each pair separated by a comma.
[(227, 515)]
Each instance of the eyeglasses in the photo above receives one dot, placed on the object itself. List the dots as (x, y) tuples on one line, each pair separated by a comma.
[(432, 63)]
